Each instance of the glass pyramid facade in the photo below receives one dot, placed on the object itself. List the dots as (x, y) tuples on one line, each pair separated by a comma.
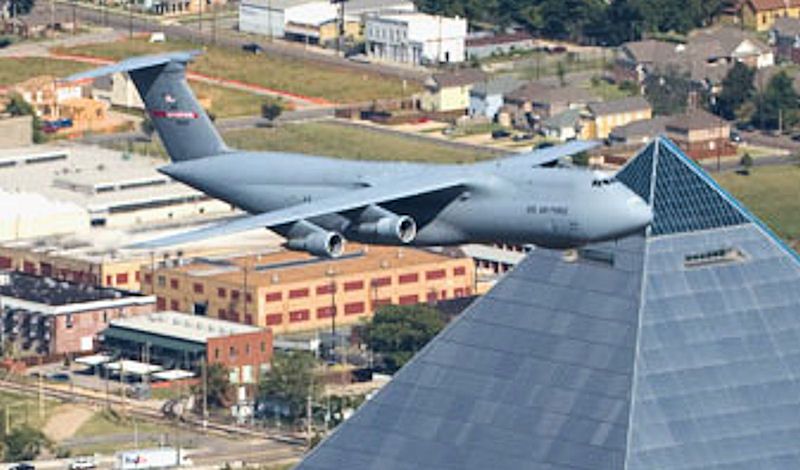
[(675, 349)]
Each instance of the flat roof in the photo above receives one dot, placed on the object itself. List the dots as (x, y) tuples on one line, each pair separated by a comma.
[(134, 367), (285, 266), (55, 293), (183, 326), (174, 374), (94, 359)]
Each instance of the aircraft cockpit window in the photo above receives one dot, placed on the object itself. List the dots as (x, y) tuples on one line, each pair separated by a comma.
[(598, 183)]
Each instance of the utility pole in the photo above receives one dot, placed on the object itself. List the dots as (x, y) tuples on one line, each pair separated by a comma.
[(130, 19), (41, 393), (53, 15), (204, 371), (213, 23), (74, 19), (200, 20)]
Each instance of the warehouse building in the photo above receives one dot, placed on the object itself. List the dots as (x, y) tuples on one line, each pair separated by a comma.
[(178, 341), (416, 38), (42, 316), (290, 291), (113, 188)]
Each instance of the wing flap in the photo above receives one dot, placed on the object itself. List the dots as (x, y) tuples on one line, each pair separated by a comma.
[(347, 201)]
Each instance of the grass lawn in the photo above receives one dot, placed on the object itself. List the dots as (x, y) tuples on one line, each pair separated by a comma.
[(24, 409), (15, 70), (331, 140), (773, 194), (106, 423), (303, 77), (226, 102), (605, 90)]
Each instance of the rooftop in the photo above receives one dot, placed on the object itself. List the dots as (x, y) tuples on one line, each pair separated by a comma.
[(787, 26), (183, 326), (46, 291), (496, 86), (539, 93), (761, 5), (461, 77), (624, 105), (284, 267), (695, 120)]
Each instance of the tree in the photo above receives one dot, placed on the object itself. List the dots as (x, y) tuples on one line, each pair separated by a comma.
[(561, 71), (219, 392), (20, 7), (17, 106), (271, 111), (737, 88), (668, 92), (397, 332), (777, 106), (746, 161), (24, 443), (291, 381)]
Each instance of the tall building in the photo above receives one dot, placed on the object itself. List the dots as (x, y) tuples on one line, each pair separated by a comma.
[(674, 349)]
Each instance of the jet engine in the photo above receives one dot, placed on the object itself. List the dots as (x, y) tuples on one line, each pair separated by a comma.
[(305, 236), (382, 226)]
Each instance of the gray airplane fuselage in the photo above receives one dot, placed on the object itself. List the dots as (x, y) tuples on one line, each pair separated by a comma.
[(505, 201)]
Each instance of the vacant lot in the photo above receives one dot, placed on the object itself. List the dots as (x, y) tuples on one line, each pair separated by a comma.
[(332, 140), (302, 77), (773, 194), (15, 70)]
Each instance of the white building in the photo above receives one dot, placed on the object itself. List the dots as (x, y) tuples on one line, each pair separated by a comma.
[(416, 38), (117, 90)]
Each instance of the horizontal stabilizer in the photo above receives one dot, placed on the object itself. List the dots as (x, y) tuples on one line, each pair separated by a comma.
[(347, 201), (135, 63)]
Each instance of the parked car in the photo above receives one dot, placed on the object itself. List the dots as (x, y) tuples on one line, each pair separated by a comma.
[(22, 466), (157, 37), (252, 48), (82, 463), (544, 145), (735, 137), (796, 137), (59, 377), (500, 134), (521, 137)]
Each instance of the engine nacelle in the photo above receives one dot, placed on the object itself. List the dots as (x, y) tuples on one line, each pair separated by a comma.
[(322, 243), (390, 229)]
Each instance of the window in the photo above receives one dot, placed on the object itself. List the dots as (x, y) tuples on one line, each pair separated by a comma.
[(460, 271), (247, 349), (198, 288), (69, 321), (354, 308), (325, 312), (274, 319), (221, 293), (381, 281), (174, 284), (248, 298), (263, 347), (713, 257), (174, 305), (161, 303), (298, 316), (325, 289), (248, 319), (137, 275), (5, 263), (409, 299), (162, 281), (274, 296), (353, 285), (109, 280), (381, 302), (216, 353), (408, 278), (122, 279), (298, 293), (232, 351), (222, 314), (433, 275), (105, 317), (234, 294)]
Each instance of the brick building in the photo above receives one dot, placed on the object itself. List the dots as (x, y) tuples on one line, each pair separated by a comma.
[(291, 291), (701, 135), (42, 316), (178, 340)]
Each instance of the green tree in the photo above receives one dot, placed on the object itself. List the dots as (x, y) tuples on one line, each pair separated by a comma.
[(777, 106), (397, 332), (291, 381), (271, 111), (746, 161), (24, 443), (219, 391), (17, 106), (737, 88), (20, 7), (668, 92)]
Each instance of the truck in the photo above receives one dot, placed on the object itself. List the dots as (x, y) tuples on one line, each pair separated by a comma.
[(147, 459)]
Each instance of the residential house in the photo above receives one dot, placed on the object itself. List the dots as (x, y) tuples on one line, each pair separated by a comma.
[(449, 92), (416, 38), (483, 46), (117, 90), (534, 102), (564, 126), (784, 36), (486, 98), (761, 14), (602, 117), (638, 133), (46, 94), (701, 135)]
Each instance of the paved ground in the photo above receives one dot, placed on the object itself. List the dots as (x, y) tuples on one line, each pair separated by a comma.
[(66, 421)]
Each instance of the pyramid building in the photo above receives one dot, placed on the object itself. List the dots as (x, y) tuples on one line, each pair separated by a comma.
[(674, 349)]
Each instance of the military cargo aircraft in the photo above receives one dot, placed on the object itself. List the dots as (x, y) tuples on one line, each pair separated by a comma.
[(317, 203)]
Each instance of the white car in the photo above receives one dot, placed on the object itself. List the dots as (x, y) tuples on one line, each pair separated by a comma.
[(83, 463)]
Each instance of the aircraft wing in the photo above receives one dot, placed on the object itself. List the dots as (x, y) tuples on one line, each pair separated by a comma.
[(347, 201), (548, 155)]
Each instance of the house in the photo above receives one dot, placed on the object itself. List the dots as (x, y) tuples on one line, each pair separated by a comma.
[(638, 133), (46, 94), (636, 59), (117, 90), (784, 36), (450, 91), (486, 98), (483, 46), (760, 15), (416, 38), (728, 45), (701, 135), (534, 102), (602, 117), (564, 126)]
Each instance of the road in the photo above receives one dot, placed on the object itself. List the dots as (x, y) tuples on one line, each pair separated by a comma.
[(120, 21)]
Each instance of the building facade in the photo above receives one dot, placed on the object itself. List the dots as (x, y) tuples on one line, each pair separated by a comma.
[(416, 39), (760, 15), (603, 117), (701, 135), (291, 291)]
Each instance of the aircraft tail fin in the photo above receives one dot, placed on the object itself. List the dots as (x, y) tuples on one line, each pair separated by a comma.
[(181, 122)]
